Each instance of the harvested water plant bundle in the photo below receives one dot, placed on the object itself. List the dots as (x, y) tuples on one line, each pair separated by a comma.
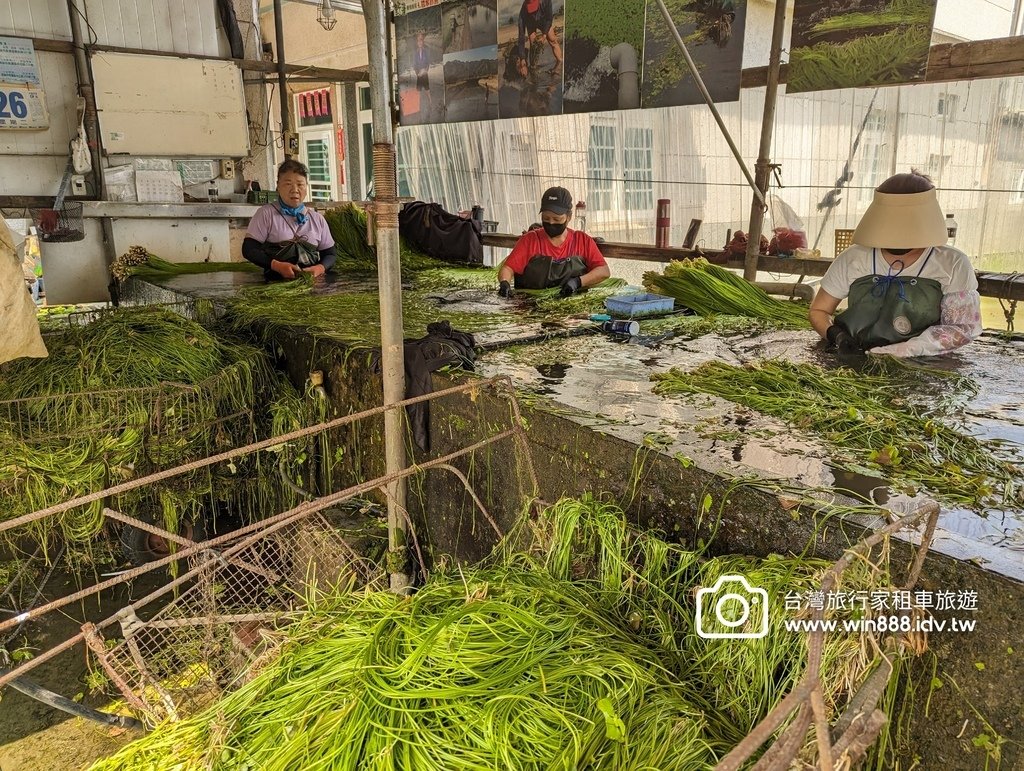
[(576, 653), (870, 421), (135, 390), (711, 290)]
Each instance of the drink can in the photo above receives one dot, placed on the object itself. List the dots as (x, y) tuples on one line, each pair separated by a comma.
[(622, 327)]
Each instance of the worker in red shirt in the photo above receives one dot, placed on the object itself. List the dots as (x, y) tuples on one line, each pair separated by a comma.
[(553, 255)]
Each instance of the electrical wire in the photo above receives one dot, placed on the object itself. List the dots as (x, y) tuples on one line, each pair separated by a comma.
[(92, 32)]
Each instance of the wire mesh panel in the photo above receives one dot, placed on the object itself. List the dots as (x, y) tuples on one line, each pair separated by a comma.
[(215, 632), (844, 240), (59, 226)]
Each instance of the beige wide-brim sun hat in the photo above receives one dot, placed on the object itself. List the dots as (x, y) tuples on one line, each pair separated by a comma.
[(902, 221)]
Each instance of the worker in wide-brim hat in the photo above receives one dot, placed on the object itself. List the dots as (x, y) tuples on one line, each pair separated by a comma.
[(554, 255), (908, 293)]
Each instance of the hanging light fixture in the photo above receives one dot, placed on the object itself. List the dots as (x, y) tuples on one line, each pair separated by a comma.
[(325, 15)]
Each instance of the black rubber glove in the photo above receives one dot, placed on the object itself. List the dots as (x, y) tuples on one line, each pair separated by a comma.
[(841, 340), (571, 287), (504, 289)]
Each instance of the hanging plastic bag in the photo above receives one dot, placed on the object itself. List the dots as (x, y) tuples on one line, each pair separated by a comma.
[(788, 232), (21, 336)]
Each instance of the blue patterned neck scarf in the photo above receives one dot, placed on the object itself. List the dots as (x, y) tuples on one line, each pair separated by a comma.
[(299, 212)]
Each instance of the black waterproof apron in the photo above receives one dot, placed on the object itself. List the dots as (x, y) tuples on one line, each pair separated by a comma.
[(544, 272), (891, 308), (297, 251)]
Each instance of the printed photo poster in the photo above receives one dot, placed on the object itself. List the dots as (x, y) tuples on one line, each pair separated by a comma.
[(469, 33), (858, 43), (530, 57), (713, 33), (604, 45), (420, 69)]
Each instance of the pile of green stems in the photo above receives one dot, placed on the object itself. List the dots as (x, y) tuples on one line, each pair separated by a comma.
[(350, 317), (897, 13), (871, 421), (354, 317), (572, 648), (348, 228), (158, 269), (710, 290), (697, 326), (133, 391)]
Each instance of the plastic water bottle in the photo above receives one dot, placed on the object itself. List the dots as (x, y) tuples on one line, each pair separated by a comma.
[(951, 227)]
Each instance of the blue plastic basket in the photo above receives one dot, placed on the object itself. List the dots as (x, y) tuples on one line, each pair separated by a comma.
[(633, 305)]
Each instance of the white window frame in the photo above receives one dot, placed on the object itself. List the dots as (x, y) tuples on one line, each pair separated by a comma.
[(602, 182), (522, 166), (623, 182), (638, 184), (325, 133), (949, 105), (1017, 194)]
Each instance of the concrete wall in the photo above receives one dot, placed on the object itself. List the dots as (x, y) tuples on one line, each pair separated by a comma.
[(34, 161)]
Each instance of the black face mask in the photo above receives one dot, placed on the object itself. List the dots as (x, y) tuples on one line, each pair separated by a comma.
[(554, 229), (899, 252)]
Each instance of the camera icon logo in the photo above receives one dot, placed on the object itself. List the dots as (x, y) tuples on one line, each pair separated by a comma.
[(732, 609)]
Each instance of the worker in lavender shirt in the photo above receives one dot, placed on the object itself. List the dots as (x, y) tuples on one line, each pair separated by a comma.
[(285, 238)]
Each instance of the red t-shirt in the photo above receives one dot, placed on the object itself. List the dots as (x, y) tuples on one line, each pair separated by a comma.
[(537, 244)]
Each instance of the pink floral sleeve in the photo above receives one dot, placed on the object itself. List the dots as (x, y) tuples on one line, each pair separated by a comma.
[(959, 324)]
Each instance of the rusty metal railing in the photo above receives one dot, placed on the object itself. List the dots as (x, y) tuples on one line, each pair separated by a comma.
[(250, 533)]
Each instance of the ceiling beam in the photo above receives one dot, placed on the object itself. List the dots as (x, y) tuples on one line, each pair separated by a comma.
[(319, 74)]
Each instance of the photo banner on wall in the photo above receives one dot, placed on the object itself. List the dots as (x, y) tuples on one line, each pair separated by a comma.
[(859, 43), (713, 33), (466, 60)]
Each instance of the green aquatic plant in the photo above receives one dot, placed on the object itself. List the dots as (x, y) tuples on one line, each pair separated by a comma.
[(697, 326), (132, 391), (571, 647), (141, 264), (711, 290), (351, 317), (348, 226), (871, 421), (897, 13)]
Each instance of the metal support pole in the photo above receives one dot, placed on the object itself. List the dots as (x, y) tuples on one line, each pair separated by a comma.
[(83, 67), (86, 91), (762, 168), (389, 282), (282, 82), (707, 97)]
